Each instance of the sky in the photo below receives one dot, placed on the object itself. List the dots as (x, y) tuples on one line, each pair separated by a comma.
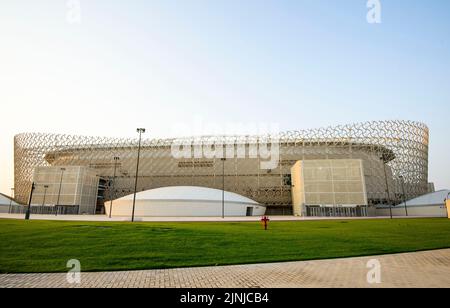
[(106, 67)]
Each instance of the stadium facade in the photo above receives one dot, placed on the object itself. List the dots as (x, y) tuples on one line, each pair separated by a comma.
[(394, 156)]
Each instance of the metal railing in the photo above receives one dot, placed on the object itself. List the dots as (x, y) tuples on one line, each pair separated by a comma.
[(47, 210), (316, 211)]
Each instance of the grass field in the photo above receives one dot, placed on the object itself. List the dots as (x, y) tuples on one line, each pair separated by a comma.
[(46, 246)]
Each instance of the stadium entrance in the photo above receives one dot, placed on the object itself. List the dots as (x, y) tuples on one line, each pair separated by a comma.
[(336, 211)]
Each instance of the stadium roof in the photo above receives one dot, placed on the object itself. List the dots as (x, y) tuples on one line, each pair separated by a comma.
[(188, 193), (5, 200), (435, 198)]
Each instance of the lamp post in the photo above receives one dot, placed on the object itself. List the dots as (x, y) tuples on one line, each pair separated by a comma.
[(140, 131), (28, 213), (59, 193), (404, 195), (45, 195), (387, 185), (223, 187), (116, 159), (10, 201)]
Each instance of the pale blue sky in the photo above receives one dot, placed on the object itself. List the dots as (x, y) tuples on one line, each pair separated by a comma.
[(301, 64)]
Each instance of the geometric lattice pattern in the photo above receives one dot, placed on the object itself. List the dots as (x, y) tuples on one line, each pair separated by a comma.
[(400, 146)]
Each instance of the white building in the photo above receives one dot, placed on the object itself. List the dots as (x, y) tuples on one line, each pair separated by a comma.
[(432, 205), (5, 203), (185, 201)]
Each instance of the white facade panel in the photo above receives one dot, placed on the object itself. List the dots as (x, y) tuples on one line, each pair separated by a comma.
[(185, 201), (183, 208)]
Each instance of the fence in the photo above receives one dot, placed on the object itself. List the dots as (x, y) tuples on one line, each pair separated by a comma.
[(46, 210), (317, 211)]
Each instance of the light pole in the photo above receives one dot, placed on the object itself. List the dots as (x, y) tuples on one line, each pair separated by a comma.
[(404, 195), (387, 185), (140, 131), (59, 193), (10, 201), (28, 213), (223, 187), (45, 195), (116, 159)]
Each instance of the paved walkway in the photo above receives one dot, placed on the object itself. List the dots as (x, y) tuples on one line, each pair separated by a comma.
[(421, 269)]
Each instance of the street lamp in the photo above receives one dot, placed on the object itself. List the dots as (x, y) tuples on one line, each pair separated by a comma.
[(116, 159), (28, 213), (10, 201), (223, 187), (45, 195), (59, 193), (140, 131), (387, 185), (404, 195)]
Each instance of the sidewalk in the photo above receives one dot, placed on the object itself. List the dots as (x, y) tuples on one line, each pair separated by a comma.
[(429, 269)]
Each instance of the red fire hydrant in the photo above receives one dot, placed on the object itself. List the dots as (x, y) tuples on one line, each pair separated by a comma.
[(265, 221)]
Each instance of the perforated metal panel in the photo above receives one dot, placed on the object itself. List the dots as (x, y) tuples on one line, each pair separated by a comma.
[(402, 145)]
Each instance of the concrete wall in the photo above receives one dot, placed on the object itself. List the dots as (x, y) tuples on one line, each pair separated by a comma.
[(174, 208)]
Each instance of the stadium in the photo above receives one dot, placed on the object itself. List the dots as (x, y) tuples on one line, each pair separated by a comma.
[(357, 167)]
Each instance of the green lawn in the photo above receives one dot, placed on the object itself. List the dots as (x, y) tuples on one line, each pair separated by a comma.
[(46, 246)]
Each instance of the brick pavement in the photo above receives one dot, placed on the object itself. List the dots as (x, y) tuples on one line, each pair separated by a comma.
[(421, 269)]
